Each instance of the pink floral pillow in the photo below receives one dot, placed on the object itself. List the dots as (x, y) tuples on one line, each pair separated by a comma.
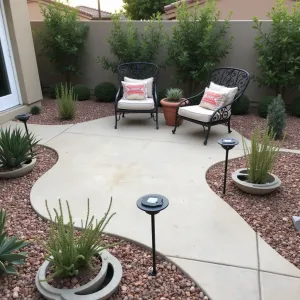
[(212, 99), (134, 91)]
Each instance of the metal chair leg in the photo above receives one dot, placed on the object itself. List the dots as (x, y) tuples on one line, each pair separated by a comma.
[(176, 124), (123, 115), (116, 120), (206, 135), (228, 124), (157, 119)]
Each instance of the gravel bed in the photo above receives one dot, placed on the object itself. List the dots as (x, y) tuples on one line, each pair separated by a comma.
[(269, 215), (22, 221), (85, 111), (245, 124)]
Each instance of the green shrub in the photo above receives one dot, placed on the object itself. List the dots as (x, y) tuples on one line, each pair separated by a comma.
[(8, 246), (261, 155), (174, 95), (54, 88), (63, 37), (277, 117), (81, 92), (15, 147), (263, 105), (241, 106), (68, 253), (198, 44), (295, 107), (35, 110), (278, 48), (66, 102), (105, 92)]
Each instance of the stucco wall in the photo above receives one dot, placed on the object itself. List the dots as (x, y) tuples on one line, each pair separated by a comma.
[(241, 9), (242, 56)]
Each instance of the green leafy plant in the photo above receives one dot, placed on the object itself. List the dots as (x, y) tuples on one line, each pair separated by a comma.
[(128, 45), (35, 110), (63, 37), (81, 92), (15, 148), (8, 246), (144, 9), (263, 105), (198, 44), (174, 95), (66, 102), (261, 155), (68, 253), (241, 106), (53, 89), (105, 92), (295, 107), (277, 117), (278, 55)]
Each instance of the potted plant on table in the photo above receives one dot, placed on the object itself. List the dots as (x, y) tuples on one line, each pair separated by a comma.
[(170, 104), (78, 266), (17, 153), (257, 178)]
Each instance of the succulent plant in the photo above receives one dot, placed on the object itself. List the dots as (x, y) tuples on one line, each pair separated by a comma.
[(174, 95), (8, 259)]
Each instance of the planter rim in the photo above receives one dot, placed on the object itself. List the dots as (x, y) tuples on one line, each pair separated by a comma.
[(164, 102), (25, 168)]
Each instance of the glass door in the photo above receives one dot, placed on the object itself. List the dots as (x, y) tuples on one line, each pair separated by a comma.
[(9, 96)]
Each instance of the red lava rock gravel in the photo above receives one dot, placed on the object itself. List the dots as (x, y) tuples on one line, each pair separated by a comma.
[(245, 124), (85, 111), (269, 215), (22, 221)]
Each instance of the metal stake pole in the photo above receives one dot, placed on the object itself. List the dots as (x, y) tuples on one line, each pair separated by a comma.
[(153, 245), (225, 175), (25, 123)]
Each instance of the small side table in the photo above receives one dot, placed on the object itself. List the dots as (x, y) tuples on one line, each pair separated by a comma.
[(152, 204)]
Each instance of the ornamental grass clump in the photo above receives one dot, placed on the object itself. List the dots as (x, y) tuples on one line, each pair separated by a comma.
[(16, 148), (66, 102), (67, 252), (174, 95), (261, 155)]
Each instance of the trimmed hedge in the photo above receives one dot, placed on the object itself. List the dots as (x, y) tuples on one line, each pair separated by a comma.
[(263, 106), (295, 107), (81, 92), (241, 106), (35, 110), (105, 92)]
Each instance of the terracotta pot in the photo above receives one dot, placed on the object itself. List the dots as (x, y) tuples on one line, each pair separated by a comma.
[(169, 109)]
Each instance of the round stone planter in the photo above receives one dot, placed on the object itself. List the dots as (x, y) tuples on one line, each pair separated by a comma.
[(240, 178), (101, 287), (25, 168)]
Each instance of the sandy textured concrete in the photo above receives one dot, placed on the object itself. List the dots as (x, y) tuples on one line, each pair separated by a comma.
[(198, 231)]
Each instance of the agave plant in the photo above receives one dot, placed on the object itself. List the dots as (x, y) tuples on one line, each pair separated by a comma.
[(8, 259), (174, 95), (15, 147)]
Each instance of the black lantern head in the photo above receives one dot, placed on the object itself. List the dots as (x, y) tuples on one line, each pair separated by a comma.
[(23, 118), (228, 143)]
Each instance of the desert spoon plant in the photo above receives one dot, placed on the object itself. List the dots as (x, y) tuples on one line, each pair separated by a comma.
[(66, 101)]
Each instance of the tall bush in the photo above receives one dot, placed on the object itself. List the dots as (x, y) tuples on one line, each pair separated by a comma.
[(128, 45), (198, 44), (278, 49), (63, 37)]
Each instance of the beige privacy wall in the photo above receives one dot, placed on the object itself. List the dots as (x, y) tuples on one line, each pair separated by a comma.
[(242, 55)]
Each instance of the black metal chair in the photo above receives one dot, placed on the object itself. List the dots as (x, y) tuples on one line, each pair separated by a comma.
[(137, 70), (229, 77)]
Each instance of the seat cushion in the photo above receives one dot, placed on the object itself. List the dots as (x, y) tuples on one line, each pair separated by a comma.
[(196, 112), (146, 104)]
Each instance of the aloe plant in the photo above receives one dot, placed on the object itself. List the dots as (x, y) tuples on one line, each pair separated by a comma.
[(15, 147), (8, 246)]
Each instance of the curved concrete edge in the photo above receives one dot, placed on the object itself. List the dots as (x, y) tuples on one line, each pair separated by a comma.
[(88, 291)]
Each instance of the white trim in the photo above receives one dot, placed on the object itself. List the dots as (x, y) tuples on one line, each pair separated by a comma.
[(11, 54)]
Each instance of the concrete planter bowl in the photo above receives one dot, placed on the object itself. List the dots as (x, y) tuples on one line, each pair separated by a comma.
[(25, 169), (101, 287), (240, 177)]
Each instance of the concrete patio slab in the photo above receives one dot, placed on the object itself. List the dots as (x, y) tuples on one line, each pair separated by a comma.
[(44, 133), (223, 282), (272, 261), (278, 287)]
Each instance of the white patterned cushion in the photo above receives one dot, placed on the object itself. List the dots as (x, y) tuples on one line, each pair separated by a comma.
[(146, 104), (149, 82), (213, 99), (134, 91), (220, 88)]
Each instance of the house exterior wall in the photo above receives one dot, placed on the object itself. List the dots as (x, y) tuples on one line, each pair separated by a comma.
[(241, 9), (242, 55), (36, 15), (23, 53)]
